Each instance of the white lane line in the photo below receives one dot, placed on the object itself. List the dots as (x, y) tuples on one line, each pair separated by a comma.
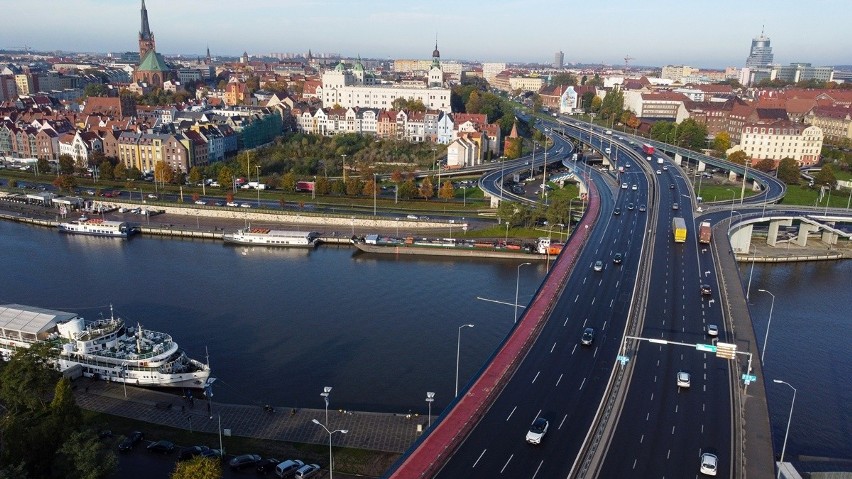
[(642, 439), (536, 469), (585, 321), (536, 376), (575, 348), (669, 454), (616, 284), (566, 322), (554, 347), (559, 380), (676, 407), (604, 326), (507, 463), (652, 396), (634, 463), (593, 300), (510, 414), (578, 297), (600, 282), (702, 429), (584, 279), (610, 302), (647, 416), (673, 430), (582, 383), (480, 457), (595, 353), (566, 417)]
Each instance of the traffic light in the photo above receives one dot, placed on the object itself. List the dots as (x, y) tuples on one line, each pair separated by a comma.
[(726, 350)]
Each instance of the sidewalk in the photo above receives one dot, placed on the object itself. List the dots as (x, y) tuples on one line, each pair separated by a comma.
[(373, 431)]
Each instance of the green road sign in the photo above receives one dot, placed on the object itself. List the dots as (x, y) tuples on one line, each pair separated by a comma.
[(706, 347)]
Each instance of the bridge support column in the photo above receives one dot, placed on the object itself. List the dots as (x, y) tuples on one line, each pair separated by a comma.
[(772, 235), (701, 166), (741, 239), (678, 159), (495, 202), (804, 230), (732, 176), (829, 238)]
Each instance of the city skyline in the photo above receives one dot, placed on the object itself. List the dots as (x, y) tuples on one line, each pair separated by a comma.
[(509, 30)]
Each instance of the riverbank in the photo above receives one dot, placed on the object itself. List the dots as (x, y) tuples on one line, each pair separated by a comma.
[(791, 252)]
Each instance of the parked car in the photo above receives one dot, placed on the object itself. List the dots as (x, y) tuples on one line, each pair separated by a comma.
[(244, 461), (233, 203), (192, 451), (306, 471), (267, 465), (537, 430), (682, 379), (200, 202), (162, 446), (708, 464), (588, 336), (288, 468), (129, 441)]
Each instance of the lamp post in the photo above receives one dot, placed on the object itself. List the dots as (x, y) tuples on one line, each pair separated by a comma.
[(429, 398), (544, 172), (344, 168), (532, 162), (258, 185), (502, 174), (569, 213), (827, 201), (326, 391), (789, 418), (517, 287), (458, 353), (330, 433), (768, 324), (751, 273), (375, 189)]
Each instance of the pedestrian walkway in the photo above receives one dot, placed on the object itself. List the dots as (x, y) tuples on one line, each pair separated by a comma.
[(373, 431)]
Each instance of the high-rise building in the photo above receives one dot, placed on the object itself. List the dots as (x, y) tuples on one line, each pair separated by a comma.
[(558, 59), (761, 53)]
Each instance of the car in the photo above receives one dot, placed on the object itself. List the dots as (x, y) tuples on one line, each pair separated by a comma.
[(267, 465), (598, 266), (130, 440), (245, 205), (306, 471), (219, 203), (712, 330), (665, 167), (708, 464), (607, 150), (192, 451), (659, 172), (675, 206), (288, 468), (200, 202), (616, 211), (90, 192), (634, 187), (161, 446), (624, 186), (616, 258), (682, 379), (153, 196), (233, 203), (671, 186), (243, 461), (627, 165), (537, 430), (642, 208), (630, 206), (412, 217), (706, 290), (588, 336)]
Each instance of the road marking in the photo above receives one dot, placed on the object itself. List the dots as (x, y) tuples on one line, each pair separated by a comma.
[(585, 321), (536, 376), (604, 326), (584, 279), (677, 406), (554, 347), (507, 463), (578, 297), (595, 353), (703, 407), (566, 322), (611, 302), (647, 416), (616, 284), (642, 439), (582, 383), (480, 457), (702, 429), (593, 299), (669, 454), (673, 430), (652, 396), (634, 463), (510, 414), (539, 467), (558, 380), (600, 282)]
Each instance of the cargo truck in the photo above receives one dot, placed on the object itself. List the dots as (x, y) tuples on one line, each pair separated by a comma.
[(679, 229), (648, 149), (704, 232)]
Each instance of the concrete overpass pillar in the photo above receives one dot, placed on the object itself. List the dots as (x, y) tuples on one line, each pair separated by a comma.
[(804, 230), (741, 239), (701, 166), (495, 202), (678, 159), (772, 236), (829, 238), (732, 176)]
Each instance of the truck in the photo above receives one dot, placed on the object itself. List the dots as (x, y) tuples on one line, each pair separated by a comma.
[(679, 229), (704, 232), (647, 149)]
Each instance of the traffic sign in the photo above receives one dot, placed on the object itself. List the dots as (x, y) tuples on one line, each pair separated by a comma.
[(749, 378), (726, 350), (622, 359), (706, 347)]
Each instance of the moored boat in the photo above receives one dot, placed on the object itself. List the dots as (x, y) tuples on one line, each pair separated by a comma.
[(270, 237), (98, 227), (448, 247)]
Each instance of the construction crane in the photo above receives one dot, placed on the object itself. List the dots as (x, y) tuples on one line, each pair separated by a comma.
[(627, 61)]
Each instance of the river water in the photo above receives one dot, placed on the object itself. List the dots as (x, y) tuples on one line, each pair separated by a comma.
[(280, 324)]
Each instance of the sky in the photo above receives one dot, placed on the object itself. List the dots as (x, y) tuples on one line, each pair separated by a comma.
[(654, 32)]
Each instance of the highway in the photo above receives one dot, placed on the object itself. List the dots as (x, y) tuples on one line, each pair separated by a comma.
[(560, 379)]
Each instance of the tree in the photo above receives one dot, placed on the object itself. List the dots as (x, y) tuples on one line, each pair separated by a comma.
[(739, 157), (195, 175), (133, 173), (288, 182), (408, 105), (586, 103), (691, 134), (396, 177), (663, 131), (407, 190), (557, 210), (825, 177), (225, 177), (66, 164), (596, 104), (198, 468), (64, 408), (43, 166), (565, 79), (322, 186), (26, 381), (370, 187), (765, 165), (353, 186), (63, 182), (119, 172), (447, 191), (513, 148), (163, 172), (85, 457), (722, 142), (426, 190), (105, 170), (474, 102), (95, 89), (612, 105), (788, 171)]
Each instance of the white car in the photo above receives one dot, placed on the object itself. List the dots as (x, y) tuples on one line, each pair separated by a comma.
[(708, 464), (245, 205), (634, 187), (537, 430), (659, 172), (200, 202), (624, 186), (233, 203), (152, 196), (682, 379), (665, 167), (598, 266), (712, 330), (607, 150), (413, 217)]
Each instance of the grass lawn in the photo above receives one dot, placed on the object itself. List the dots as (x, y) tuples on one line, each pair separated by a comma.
[(712, 193), (805, 196), (843, 175)]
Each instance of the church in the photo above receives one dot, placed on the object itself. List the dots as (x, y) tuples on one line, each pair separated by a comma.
[(152, 69)]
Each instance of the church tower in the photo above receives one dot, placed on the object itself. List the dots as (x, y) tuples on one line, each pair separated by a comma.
[(436, 74), (146, 38)]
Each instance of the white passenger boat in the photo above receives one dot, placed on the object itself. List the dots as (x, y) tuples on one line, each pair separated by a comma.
[(269, 237), (106, 349), (98, 227)]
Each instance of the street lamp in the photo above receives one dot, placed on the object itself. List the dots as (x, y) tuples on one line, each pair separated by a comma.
[(326, 391), (569, 213), (751, 273), (344, 168), (375, 188), (789, 418), (458, 353), (502, 174), (330, 463), (517, 286), (258, 185), (544, 172), (430, 397), (768, 323)]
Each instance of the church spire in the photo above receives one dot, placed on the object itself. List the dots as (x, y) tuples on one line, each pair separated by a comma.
[(145, 33)]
